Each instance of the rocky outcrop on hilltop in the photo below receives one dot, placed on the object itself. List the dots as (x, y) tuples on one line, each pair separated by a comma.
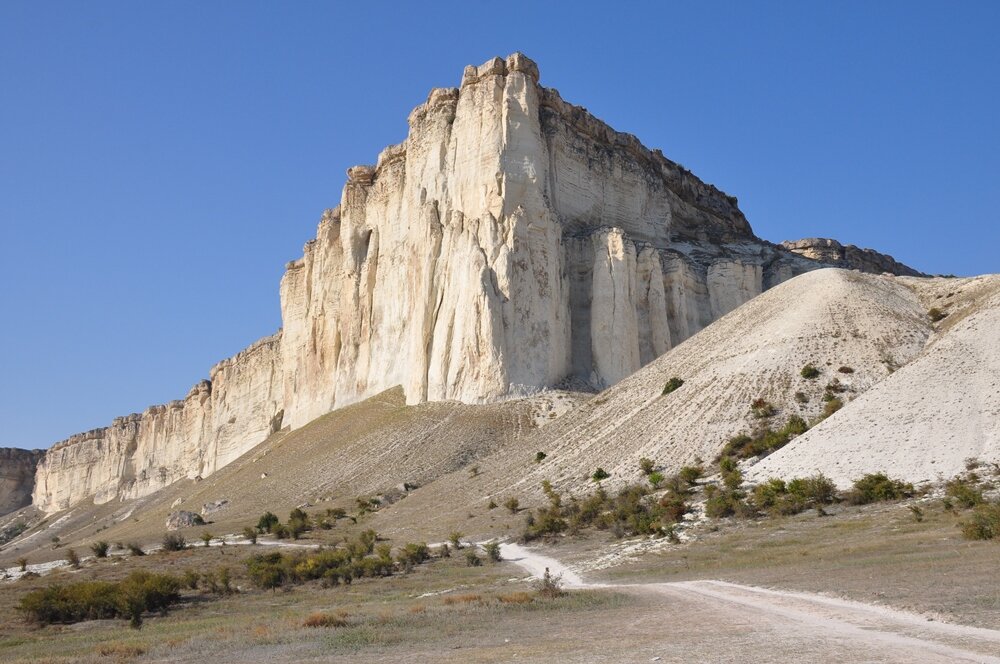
[(17, 477), (849, 256), (511, 243)]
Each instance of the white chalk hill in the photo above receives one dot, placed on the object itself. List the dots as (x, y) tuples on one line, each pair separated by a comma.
[(912, 422)]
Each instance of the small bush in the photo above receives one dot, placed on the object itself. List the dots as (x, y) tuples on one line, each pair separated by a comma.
[(983, 523), (801, 397), (549, 586), (691, 474), (760, 408), (492, 505), (655, 479), (877, 487), (250, 534), (174, 542), (320, 619), (492, 550), (832, 406), (413, 554), (73, 558), (846, 370), (190, 579), (600, 474), (206, 538), (540, 457), (455, 539), (647, 466), (22, 564), (512, 504), (936, 314), (135, 549), (267, 522), (764, 441), (672, 384), (964, 492), (472, 559), (809, 372), (100, 549)]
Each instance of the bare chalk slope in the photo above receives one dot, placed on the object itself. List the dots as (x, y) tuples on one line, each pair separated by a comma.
[(922, 422)]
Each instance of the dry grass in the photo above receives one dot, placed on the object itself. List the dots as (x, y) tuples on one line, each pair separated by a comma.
[(120, 650), (320, 619)]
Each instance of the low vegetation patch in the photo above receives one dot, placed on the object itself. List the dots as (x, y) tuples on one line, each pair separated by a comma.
[(809, 372), (138, 593), (878, 487), (320, 619), (776, 496), (356, 559), (765, 440), (983, 523), (761, 408), (672, 385)]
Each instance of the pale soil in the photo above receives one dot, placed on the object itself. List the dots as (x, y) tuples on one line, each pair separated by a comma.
[(827, 624)]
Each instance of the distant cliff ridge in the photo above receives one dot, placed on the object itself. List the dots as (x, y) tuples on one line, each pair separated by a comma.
[(512, 242), (849, 257), (17, 476)]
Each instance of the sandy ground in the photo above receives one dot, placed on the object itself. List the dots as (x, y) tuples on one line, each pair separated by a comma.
[(823, 625)]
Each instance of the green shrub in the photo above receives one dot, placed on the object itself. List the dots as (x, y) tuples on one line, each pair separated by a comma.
[(190, 579), (540, 457), (764, 441), (280, 531), (139, 592), (174, 542), (135, 549), (797, 495), (964, 492), (455, 538), (983, 523), (549, 586), (492, 505), (100, 549), (672, 384), (206, 538), (267, 522), (655, 479), (413, 554), (600, 474), (831, 406), (727, 502), (472, 559), (647, 466), (877, 487), (512, 504), (691, 474), (809, 372), (22, 564), (492, 550), (73, 558)]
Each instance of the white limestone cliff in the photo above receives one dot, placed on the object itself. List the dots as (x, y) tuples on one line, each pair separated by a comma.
[(511, 243)]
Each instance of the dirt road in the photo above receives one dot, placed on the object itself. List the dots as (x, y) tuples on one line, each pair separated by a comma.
[(771, 625)]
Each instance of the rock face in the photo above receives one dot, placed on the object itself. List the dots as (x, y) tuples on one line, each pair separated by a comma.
[(511, 243), (17, 477), (182, 519), (850, 257)]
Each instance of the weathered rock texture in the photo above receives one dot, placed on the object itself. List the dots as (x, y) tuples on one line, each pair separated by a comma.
[(17, 477), (512, 242), (849, 256)]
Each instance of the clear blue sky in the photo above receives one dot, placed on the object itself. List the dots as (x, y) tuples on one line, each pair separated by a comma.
[(160, 162)]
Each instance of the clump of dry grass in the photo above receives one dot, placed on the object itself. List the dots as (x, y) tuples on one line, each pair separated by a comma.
[(520, 597), (322, 619), (462, 599), (120, 650)]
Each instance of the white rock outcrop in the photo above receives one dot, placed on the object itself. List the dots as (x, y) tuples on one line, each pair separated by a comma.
[(511, 243)]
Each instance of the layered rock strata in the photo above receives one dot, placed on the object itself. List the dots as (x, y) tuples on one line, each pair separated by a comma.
[(849, 256), (511, 243)]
